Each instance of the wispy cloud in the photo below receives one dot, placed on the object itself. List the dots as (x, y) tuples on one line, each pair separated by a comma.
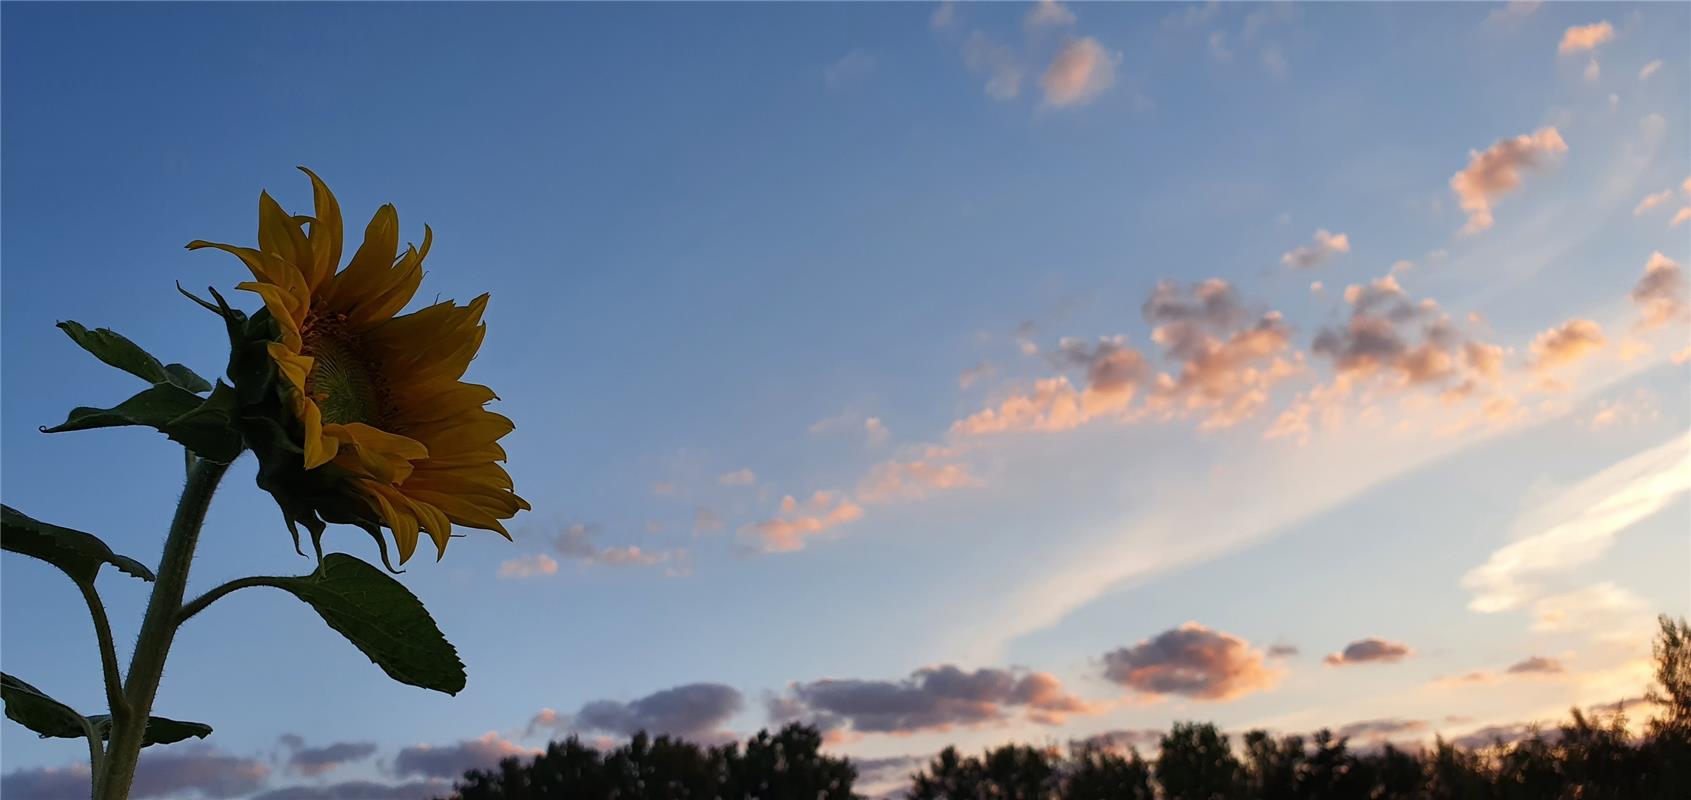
[(1324, 246)]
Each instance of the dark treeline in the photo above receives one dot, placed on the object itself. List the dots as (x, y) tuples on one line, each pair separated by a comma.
[(1586, 758)]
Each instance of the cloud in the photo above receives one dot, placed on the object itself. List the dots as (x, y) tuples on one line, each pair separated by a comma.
[(664, 489), (1282, 650), (1079, 72), (1497, 171), (944, 15), (706, 521), (1324, 246), (1218, 47), (453, 760), (1585, 37), (1536, 665), (1634, 408), (875, 431), (1578, 525), (852, 68), (1661, 293), (1601, 608), (975, 374), (1048, 14), (1566, 344), (739, 477), (693, 711), (1274, 60), (361, 790), (1650, 69), (998, 63), (1368, 651), (1680, 217), (1514, 11), (1380, 730), (909, 480), (576, 544), (932, 699), (1409, 344), (314, 761), (46, 783), (1226, 363), (529, 566), (1123, 739), (544, 720), (180, 771), (1651, 201), (1193, 661), (797, 521), (1593, 71)]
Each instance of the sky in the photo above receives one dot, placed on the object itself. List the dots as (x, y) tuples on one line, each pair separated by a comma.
[(934, 374)]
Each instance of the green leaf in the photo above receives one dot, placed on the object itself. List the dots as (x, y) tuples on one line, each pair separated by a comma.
[(160, 730), (382, 619), (203, 425), (187, 378), (33, 709), (78, 554), (112, 348)]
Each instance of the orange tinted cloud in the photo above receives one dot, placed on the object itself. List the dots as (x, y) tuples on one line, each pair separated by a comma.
[(798, 520), (1571, 341), (1585, 37), (1497, 171), (528, 566), (896, 480), (1078, 73), (1193, 661), (1661, 292), (1324, 246)]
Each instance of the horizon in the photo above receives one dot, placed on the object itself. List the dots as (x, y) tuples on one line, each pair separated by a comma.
[(935, 374)]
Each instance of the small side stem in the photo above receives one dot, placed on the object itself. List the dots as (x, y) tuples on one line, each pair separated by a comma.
[(199, 604), (158, 629), (108, 652), (96, 757)]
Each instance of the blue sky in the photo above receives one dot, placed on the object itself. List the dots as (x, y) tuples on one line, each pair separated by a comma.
[(816, 243)]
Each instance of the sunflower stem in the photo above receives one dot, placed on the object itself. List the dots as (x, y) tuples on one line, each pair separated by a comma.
[(158, 629)]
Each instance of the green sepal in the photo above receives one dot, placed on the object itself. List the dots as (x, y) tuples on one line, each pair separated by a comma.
[(160, 730), (116, 350), (381, 618), (78, 554), (33, 709), (203, 425)]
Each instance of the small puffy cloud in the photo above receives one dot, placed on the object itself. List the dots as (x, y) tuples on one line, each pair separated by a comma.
[(739, 477), (875, 431), (453, 760), (546, 719), (1410, 343), (998, 63), (694, 711), (1497, 171), (1048, 14), (1514, 11), (1585, 37), (1577, 526), (1650, 69), (975, 374), (576, 544), (800, 520), (1651, 201), (1536, 665), (851, 68), (1368, 651), (1079, 72), (1566, 344), (529, 566), (314, 761), (1324, 246), (1192, 661), (932, 699), (1661, 294), (1680, 217), (1226, 363), (664, 489), (1274, 60), (944, 16), (1593, 72), (909, 480)]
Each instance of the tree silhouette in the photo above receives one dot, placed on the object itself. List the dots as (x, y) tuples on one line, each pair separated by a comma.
[(1588, 757)]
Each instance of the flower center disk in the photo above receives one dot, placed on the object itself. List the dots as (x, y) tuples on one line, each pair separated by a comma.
[(343, 382)]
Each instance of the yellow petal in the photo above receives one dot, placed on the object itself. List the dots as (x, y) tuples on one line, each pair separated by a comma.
[(280, 235), (326, 233)]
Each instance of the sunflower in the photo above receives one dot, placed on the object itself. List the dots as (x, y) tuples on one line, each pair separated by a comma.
[(374, 398)]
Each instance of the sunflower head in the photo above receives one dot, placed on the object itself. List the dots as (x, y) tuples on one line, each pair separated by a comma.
[(359, 414)]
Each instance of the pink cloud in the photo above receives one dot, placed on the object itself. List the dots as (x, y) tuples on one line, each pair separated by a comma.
[(895, 480), (1563, 345), (1497, 171), (1193, 661), (1078, 73), (529, 566), (1585, 37), (797, 521)]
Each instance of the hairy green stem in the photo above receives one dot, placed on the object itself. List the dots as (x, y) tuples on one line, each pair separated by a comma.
[(158, 628), (108, 652), (199, 604), (96, 756)]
